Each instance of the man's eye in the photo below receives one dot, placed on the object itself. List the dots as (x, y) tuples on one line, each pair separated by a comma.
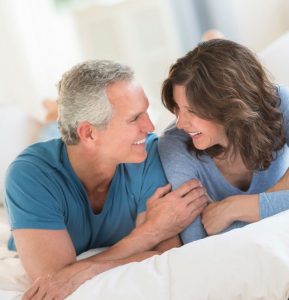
[(134, 119)]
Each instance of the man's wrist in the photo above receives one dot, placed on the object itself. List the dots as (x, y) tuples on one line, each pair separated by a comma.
[(150, 235)]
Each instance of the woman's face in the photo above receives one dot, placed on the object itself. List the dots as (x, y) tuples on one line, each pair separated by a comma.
[(204, 133)]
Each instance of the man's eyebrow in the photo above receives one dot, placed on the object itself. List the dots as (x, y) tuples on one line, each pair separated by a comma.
[(135, 115)]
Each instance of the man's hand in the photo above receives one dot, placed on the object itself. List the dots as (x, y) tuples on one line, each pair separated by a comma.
[(168, 213), (60, 285), (50, 287)]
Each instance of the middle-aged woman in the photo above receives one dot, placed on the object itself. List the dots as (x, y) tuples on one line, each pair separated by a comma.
[(231, 133)]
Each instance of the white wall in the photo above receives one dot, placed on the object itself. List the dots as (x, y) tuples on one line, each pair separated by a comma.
[(260, 22), (38, 43), (37, 46), (139, 33), (255, 23)]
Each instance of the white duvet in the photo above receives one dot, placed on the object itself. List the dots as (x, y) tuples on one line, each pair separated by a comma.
[(249, 263)]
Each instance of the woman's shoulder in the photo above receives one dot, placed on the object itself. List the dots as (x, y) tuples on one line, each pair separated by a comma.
[(283, 92), (173, 140), (173, 134), (173, 145)]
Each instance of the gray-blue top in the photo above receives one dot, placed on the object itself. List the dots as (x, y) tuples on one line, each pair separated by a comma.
[(180, 165)]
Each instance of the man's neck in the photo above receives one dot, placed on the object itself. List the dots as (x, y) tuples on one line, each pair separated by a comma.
[(93, 171)]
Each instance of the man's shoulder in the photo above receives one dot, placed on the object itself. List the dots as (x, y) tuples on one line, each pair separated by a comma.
[(41, 150), (40, 155)]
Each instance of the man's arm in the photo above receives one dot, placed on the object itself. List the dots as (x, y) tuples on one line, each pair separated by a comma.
[(61, 284), (43, 251), (163, 246), (167, 214)]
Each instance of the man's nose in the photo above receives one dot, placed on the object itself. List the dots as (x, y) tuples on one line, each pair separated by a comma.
[(148, 124)]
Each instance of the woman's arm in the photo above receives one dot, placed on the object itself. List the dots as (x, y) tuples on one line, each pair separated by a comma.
[(180, 166), (239, 210), (222, 215)]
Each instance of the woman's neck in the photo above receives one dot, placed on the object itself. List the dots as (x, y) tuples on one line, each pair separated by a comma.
[(234, 170)]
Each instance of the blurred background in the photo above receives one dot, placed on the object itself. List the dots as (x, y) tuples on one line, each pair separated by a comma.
[(41, 39)]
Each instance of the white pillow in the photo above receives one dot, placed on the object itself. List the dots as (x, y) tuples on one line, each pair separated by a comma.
[(248, 263)]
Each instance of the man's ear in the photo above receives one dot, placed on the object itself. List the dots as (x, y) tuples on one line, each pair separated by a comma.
[(87, 132)]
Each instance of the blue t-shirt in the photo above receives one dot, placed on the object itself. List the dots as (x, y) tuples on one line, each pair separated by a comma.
[(181, 165), (43, 191)]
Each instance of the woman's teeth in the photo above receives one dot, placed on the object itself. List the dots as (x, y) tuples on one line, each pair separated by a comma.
[(194, 133)]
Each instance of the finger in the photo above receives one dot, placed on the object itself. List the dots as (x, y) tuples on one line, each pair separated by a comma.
[(40, 294), (196, 213), (162, 191), (194, 196), (50, 297), (187, 187), (207, 215), (204, 216), (197, 210), (31, 291), (205, 211)]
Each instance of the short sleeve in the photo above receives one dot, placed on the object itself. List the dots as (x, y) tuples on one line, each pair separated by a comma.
[(179, 164), (30, 197), (153, 175)]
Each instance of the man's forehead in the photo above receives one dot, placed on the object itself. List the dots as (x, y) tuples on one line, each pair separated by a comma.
[(129, 94)]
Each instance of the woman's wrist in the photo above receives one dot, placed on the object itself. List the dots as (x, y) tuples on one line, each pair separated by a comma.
[(244, 208)]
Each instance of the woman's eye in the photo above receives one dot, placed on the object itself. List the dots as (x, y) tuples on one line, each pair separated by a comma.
[(191, 111)]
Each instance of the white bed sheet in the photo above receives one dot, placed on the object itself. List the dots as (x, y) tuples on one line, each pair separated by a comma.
[(13, 280), (249, 263)]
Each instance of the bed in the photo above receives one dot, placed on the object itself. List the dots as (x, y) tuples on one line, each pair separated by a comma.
[(248, 263)]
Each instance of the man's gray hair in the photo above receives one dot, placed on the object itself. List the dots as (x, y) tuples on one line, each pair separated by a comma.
[(82, 95)]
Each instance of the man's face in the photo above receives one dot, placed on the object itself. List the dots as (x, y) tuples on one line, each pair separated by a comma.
[(123, 140)]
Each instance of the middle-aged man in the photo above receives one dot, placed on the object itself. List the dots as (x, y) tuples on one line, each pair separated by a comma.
[(90, 188)]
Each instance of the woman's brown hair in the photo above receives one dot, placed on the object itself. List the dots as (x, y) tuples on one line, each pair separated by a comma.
[(225, 83)]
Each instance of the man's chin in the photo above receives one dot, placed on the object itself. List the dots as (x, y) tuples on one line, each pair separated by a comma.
[(139, 158)]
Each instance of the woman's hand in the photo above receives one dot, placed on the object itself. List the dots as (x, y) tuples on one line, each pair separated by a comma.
[(217, 216)]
